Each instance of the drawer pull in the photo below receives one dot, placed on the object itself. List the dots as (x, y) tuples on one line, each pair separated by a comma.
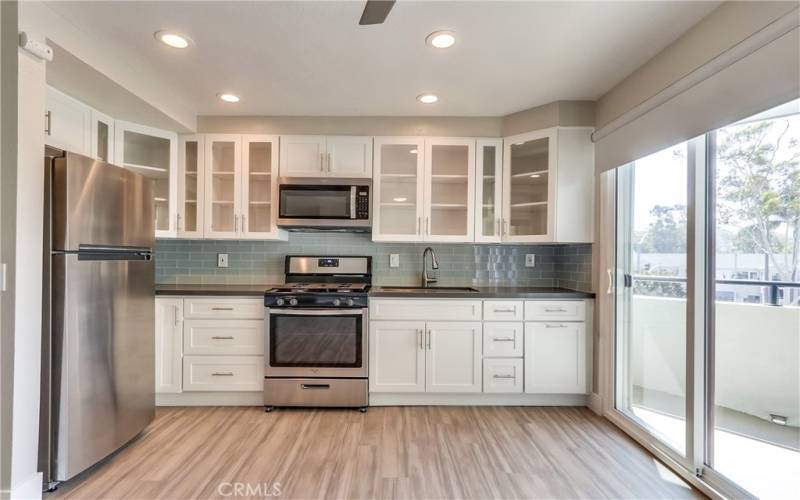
[(513, 310), (315, 386), (221, 338), (555, 326), (222, 309), (222, 374), (503, 376), (503, 339), (555, 309)]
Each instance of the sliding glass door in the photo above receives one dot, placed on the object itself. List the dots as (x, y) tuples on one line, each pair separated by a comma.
[(651, 313), (707, 314)]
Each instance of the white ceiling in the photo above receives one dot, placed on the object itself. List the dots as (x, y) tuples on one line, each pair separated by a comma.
[(312, 58)]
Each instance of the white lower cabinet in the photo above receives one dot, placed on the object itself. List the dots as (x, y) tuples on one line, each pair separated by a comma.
[(223, 373), (397, 356), (169, 340), (209, 344), (502, 375), (453, 358), (555, 358)]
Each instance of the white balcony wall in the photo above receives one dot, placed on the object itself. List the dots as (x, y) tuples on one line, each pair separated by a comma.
[(758, 354)]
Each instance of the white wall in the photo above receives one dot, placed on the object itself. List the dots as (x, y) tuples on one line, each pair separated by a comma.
[(26, 481), (757, 354)]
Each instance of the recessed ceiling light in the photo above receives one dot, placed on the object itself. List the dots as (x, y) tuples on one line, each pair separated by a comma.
[(441, 39), (172, 39), (427, 98), (228, 97)]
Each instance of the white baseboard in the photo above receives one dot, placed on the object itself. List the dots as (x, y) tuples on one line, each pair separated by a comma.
[(479, 399), (30, 489), (596, 404), (218, 398)]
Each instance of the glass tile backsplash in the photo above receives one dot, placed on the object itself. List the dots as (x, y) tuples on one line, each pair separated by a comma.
[(262, 262)]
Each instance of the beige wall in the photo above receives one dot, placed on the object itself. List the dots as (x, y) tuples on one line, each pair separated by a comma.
[(564, 113), (726, 26)]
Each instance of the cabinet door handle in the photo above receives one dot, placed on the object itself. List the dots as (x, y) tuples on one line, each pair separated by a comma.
[(222, 309), (175, 315), (419, 224), (497, 228), (322, 162), (503, 376), (222, 338), (222, 374), (235, 222), (243, 223), (330, 159), (428, 225), (610, 289), (555, 310), (555, 326), (512, 310), (178, 222), (429, 340), (503, 339), (419, 339), (48, 120)]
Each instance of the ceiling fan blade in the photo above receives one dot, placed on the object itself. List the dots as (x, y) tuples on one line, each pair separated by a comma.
[(375, 11)]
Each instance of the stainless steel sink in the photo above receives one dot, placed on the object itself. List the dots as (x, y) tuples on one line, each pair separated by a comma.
[(430, 289)]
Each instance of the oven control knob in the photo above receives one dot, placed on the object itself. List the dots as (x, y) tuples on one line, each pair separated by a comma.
[(337, 302), (350, 302), (279, 301), (293, 302)]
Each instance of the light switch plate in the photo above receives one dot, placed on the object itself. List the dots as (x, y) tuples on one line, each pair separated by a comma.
[(222, 260), (530, 260), (394, 260)]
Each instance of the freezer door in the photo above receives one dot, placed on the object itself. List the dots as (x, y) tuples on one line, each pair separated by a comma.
[(100, 204), (103, 356)]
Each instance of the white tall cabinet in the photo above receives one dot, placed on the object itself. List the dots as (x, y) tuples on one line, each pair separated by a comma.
[(488, 190), (169, 344), (424, 189), (191, 186)]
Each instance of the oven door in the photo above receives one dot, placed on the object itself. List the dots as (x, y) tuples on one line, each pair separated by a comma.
[(316, 343), (324, 205)]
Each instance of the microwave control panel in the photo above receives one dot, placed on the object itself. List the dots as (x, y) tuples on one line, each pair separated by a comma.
[(362, 202)]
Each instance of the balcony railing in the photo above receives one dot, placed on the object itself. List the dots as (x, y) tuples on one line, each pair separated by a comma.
[(773, 287)]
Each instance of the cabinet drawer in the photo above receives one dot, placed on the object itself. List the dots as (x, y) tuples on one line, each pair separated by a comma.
[(502, 310), (503, 340), (223, 336), (221, 308), (425, 309), (555, 310), (223, 373), (502, 375)]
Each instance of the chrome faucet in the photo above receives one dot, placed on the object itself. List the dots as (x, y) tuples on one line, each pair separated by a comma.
[(426, 280)]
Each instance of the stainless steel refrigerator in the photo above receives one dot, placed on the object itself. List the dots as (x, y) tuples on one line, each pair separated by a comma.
[(98, 365)]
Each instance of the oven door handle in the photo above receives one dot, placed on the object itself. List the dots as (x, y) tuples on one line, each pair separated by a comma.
[(317, 312)]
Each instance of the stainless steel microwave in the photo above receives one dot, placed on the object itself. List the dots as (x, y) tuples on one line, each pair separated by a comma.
[(324, 204)]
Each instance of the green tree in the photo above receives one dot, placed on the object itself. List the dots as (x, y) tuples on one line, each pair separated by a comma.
[(758, 190), (666, 233)]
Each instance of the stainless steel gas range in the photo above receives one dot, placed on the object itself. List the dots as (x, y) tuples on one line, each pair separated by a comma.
[(317, 333)]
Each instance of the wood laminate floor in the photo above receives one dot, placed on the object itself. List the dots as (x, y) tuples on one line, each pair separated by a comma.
[(388, 452)]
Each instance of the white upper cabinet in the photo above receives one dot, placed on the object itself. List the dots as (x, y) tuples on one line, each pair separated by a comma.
[(424, 189), (152, 153), (321, 156), (68, 123), (191, 186), (102, 137), (449, 189), (240, 187), (548, 186), (488, 190), (349, 156), (397, 207)]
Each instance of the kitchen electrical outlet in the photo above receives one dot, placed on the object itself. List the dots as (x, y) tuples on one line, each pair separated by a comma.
[(394, 260), (530, 260), (222, 260)]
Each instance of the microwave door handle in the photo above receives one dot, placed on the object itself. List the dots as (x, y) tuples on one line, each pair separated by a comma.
[(352, 202)]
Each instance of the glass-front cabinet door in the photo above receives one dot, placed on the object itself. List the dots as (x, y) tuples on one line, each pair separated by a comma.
[(449, 188), (398, 189), (223, 158), (529, 162), (488, 190), (102, 136), (259, 186), (191, 192), (152, 153)]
